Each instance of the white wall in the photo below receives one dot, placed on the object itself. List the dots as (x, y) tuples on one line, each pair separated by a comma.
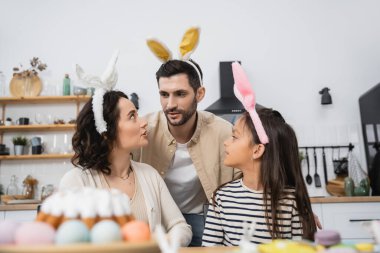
[(290, 49)]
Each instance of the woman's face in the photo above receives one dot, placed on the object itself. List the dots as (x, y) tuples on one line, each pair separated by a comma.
[(239, 148), (131, 129)]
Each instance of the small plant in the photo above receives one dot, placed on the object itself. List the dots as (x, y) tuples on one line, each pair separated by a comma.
[(19, 140), (8, 119), (36, 65)]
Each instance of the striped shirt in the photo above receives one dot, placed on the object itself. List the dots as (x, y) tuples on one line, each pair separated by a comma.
[(235, 204)]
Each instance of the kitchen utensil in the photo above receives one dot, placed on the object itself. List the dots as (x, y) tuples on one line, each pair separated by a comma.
[(324, 165), (309, 179), (340, 165), (317, 179)]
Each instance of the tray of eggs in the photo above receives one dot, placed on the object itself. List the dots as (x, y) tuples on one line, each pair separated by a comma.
[(74, 236)]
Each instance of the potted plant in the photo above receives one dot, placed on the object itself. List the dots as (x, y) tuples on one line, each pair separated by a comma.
[(19, 143), (24, 79)]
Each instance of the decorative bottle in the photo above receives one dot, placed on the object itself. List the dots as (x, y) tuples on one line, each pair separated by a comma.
[(66, 85), (12, 188)]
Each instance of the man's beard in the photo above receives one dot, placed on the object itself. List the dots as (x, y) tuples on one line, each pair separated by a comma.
[(185, 115)]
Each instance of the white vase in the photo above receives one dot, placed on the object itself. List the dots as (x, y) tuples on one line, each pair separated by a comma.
[(19, 149)]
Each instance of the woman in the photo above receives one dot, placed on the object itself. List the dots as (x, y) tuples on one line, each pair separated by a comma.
[(102, 160)]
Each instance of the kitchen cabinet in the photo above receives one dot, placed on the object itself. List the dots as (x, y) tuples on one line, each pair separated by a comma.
[(350, 219), (21, 215), (350, 216), (18, 212)]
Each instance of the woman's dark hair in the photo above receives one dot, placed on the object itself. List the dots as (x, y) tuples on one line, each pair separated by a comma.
[(281, 170), (91, 148), (174, 67)]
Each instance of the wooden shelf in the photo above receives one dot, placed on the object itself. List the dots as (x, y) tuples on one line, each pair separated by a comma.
[(28, 128), (35, 157), (43, 99)]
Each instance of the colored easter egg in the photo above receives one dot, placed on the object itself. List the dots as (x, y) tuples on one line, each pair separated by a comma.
[(7, 231), (136, 231), (105, 231), (72, 231), (33, 233)]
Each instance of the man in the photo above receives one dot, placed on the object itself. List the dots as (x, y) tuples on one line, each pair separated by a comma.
[(186, 145)]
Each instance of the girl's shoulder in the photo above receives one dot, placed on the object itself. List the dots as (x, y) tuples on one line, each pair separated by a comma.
[(232, 188)]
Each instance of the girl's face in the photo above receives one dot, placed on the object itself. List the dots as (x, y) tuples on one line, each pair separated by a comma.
[(239, 148), (131, 130)]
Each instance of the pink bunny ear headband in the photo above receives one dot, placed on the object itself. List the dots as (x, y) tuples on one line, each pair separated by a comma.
[(244, 92)]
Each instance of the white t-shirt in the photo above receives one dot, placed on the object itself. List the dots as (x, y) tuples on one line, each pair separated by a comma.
[(184, 184)]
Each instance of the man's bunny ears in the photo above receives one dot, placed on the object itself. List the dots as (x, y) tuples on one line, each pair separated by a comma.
[(244, 92), (188, 45), (101, 84)]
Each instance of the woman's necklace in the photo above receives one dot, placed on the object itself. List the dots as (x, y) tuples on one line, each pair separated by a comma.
[(130, 170), (127, 175), (126, 183)]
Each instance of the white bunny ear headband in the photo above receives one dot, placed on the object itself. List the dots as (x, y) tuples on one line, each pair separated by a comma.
[(188, 45), (101, 84)]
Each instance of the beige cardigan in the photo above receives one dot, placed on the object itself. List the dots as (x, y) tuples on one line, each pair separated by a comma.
[(159, 203)]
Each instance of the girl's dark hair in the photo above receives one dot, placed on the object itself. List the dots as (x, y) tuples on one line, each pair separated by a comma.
[(174, 67), (281, 170), (92, 149)]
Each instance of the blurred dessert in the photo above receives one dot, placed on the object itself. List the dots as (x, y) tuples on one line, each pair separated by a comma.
[(90, 205)]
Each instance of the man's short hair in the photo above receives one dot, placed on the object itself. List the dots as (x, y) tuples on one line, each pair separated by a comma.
[(174, 67)]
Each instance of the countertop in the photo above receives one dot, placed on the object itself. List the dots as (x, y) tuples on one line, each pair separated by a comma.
[(314, 200), (18, 207), (332, 199)]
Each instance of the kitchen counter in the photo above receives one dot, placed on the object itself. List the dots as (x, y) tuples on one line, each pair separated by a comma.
[(314, 200), (358, 199), (217, 249), (18, 207)]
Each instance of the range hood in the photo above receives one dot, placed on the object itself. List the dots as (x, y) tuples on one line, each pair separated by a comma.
[(228, 103)]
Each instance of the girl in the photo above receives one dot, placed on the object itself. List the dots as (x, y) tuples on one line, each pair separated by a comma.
[(271, 192)]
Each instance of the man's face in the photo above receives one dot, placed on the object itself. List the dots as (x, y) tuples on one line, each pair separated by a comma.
[(177, 98)]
